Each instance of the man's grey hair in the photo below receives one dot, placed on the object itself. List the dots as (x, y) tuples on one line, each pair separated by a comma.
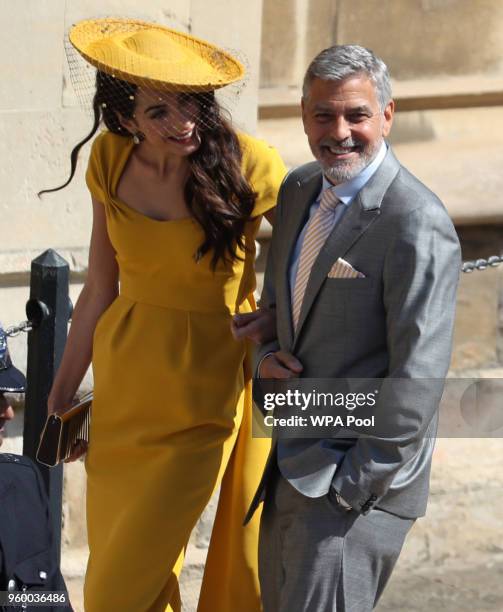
[(342, 61)]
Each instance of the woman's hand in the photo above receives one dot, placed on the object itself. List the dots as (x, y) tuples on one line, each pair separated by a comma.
[(59, 407), (258, 326), (78, 449)]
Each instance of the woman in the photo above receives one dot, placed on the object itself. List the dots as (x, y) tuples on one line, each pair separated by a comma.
[(177, 200)]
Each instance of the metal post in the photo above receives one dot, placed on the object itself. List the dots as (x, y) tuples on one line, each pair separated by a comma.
[(49, 285)]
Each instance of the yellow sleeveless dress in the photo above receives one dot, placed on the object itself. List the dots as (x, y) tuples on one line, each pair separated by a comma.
[(172, 410)]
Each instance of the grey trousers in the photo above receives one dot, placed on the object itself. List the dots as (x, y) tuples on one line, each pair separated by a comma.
[(316, 557)]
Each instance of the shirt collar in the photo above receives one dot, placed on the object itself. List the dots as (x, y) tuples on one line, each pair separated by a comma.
[(346, 192)]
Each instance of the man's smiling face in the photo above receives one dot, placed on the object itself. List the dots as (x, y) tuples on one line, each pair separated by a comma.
[(345, 125)]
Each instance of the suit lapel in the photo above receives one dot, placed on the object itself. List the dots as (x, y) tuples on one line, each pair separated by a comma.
[(361, 214)]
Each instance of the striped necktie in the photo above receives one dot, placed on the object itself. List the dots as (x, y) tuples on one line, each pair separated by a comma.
[(318, 229)]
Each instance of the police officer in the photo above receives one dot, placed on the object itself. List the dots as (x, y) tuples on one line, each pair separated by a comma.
[(11, 381), (28, 555)]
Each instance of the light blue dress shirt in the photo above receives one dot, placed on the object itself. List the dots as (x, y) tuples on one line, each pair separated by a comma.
[(346, 192)]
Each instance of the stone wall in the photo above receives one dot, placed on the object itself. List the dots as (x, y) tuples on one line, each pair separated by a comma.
[(427, 38), (419, 39)]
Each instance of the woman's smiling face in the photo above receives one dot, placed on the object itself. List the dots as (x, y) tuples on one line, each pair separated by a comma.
[(166, 119)]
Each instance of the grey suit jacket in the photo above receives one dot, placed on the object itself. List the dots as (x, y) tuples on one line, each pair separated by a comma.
[(396, 323)]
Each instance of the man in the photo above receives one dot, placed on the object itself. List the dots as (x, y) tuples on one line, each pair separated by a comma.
[(28, 556), (362, 272)]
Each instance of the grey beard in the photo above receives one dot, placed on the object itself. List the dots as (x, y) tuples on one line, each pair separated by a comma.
[(345, 171)]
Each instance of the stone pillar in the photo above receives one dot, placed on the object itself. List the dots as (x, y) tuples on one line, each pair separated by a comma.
[(321, 28), (293, 32), (279, 43), (236, 26)]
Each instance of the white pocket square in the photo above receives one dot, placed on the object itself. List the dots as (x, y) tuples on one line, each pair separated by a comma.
[(343, 269)]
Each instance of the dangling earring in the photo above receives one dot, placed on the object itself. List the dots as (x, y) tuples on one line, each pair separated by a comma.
[(197, 136), (136, 139)]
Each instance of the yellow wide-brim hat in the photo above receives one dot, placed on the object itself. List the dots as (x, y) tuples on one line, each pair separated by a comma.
[(151, 54)]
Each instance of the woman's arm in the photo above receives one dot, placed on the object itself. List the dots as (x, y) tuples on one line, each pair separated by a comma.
[(99, 291)]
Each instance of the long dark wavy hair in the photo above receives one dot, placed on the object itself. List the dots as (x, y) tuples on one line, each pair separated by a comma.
[(217, 194)]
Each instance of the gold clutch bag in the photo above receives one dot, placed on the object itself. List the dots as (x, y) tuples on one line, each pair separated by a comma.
[(62, 431)]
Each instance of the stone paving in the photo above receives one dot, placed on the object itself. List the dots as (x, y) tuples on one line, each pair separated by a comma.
[(438, 590), (475, 589), (423, 591), (452, 559)]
